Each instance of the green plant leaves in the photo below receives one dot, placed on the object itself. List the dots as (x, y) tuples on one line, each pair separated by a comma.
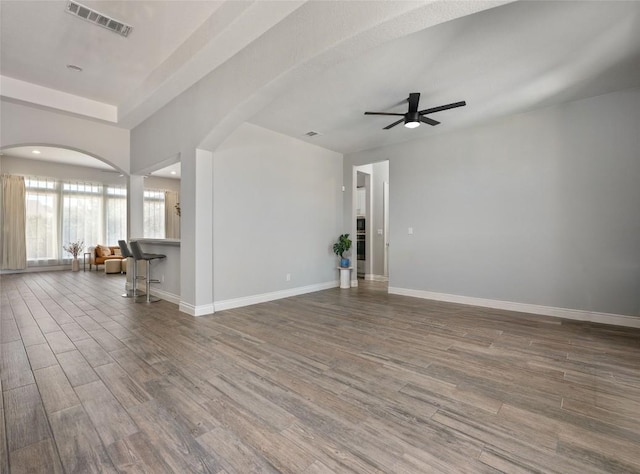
[(342, 245)]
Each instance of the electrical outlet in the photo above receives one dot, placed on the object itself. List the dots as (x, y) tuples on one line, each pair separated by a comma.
[(162, 278), (288, 277), (410, 231)]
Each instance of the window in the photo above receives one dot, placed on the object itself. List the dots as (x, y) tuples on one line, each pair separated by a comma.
[(154, 214), (60, 212), (82, 213), (116, 214), (42, 219)]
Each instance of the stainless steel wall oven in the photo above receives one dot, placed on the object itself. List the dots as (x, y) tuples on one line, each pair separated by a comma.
[(361, 246)]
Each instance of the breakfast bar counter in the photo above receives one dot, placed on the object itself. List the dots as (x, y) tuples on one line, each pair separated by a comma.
[(166, 270)]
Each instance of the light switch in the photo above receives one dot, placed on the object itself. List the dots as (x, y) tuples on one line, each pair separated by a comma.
[(379, 231), (410, 231)]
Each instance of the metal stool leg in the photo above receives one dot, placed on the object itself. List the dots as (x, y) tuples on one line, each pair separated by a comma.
[(148, 281), (132, 292)]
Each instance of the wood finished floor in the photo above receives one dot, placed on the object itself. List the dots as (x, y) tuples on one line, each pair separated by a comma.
[(336, 381)]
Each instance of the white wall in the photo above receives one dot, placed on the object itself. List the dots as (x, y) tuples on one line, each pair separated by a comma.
[(26, 167), (277, 209), (541, 208), (24, 125)]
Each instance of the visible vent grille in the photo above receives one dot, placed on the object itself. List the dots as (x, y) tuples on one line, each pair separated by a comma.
[(312, 134), (86, 13)]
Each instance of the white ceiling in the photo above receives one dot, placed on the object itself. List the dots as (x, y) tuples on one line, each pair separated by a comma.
[(39, 39), (171, 172), (502, 61)]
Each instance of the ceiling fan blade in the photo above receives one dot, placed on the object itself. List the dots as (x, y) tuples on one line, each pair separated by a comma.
[(393, 124), (413, 99), (428, 120), (381, 113), (443, 107)]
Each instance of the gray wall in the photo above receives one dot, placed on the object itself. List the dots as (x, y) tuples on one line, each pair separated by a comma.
[(277, 209), (540, 208)]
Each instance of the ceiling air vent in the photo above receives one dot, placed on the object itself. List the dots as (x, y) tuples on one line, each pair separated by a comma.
[(98, 18), (312, 134)]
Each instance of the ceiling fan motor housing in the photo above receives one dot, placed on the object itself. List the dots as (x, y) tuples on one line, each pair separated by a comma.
[(412, 117)]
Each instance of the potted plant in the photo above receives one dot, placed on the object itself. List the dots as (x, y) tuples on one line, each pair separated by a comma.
[(74, 248), (340, 247)]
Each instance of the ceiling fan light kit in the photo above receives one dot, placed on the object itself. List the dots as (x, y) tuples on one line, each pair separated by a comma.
[(412, 120), (413, 117)]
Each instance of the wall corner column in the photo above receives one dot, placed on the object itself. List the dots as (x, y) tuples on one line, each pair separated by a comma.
[(196, 229), (135, 206)]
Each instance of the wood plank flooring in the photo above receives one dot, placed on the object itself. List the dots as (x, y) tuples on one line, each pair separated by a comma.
[(336, 381)]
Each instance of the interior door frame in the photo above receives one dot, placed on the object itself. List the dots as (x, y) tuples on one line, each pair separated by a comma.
[(385, 226)]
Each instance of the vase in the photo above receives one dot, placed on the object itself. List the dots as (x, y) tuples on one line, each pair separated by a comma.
[(344, 262), (75, 265)]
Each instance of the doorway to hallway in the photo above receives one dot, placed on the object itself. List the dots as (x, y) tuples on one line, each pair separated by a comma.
[(371, 221)]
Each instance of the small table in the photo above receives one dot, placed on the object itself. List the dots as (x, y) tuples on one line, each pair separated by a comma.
[(345, 277), (84, 261)]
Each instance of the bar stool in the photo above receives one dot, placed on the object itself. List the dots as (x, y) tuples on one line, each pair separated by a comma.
[(138, 255), (126, 253)]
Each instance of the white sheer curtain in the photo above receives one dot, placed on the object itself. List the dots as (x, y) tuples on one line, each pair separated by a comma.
[(154, 226), (116, 211), (42, 228), (171, 216), (82, 214), (13, 249)]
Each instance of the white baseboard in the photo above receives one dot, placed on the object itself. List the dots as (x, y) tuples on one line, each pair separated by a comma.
[(276, 295), (374, 277), (576, 314), (165, 295), (192, 310)]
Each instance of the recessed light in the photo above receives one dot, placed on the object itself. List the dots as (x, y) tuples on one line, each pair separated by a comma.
[(36, 152), (73, 67), (173, 172), (122, 176)]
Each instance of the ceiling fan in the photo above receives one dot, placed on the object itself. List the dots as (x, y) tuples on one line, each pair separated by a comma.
[(414, 116)]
